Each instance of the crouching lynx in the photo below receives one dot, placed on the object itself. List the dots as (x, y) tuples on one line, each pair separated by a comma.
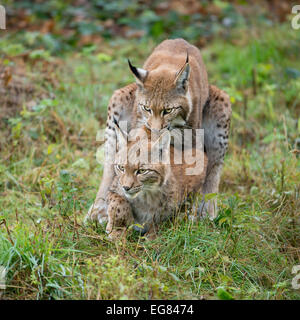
[(148, 190), (171, 91)]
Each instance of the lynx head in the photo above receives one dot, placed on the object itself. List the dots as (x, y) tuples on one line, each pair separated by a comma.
[(133, 166), (163, 97)]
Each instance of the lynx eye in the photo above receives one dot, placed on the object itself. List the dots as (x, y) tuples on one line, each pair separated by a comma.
[(167, 111), (146, 108), (141, 171), (120, 168)]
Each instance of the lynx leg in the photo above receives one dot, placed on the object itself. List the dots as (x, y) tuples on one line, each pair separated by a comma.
[(119, 109), (98, 209), (211, 185), (119, 215), (216, 124)]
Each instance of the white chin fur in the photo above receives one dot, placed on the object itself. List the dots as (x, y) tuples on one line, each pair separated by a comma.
[(131, 195)]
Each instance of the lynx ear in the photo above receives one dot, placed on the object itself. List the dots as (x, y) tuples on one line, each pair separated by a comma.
[(160, 148), (140, 74), (121, 135), (182, 76)]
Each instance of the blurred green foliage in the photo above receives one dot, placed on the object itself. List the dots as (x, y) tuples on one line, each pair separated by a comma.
[(121, 18)]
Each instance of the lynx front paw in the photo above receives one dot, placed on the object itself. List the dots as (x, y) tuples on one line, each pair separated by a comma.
[(116, 234), (96, 212)]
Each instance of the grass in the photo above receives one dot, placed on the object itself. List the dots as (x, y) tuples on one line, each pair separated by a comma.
[(49, 177)]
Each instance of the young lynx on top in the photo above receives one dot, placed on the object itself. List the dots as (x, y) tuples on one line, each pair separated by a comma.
[(149, 186), (171, 91)]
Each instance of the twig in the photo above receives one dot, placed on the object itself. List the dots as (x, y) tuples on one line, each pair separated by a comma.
[(3, 221)]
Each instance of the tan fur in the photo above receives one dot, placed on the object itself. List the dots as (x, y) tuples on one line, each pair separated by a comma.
[(216, 125), (120, 107), (201, 106), (158, 91), (153, 196)]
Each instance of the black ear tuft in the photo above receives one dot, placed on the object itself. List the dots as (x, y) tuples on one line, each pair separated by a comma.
[(139, 73), (133, 69), (116, 122), (182, 76)]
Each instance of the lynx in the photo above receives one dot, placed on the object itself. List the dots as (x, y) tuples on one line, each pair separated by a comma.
[(148, 192), (171, 91)]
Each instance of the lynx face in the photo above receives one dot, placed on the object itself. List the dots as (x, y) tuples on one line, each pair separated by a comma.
[(135, 179), (158, 114), (136, 173), (163, 97)]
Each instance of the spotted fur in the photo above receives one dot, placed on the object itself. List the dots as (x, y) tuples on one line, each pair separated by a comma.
[(210, 109), (216, 125), (153, 192)]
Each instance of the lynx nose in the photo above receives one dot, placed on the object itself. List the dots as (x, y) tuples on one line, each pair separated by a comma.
[(126, 188)]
